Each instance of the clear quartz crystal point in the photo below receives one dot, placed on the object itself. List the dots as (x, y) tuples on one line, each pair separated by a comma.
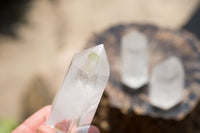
[(78, 97), (167, 83), (134, 71)]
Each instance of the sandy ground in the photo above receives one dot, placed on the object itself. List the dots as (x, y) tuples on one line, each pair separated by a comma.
[(57, 30)]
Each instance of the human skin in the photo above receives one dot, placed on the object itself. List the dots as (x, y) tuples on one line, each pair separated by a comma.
[(36, 123)]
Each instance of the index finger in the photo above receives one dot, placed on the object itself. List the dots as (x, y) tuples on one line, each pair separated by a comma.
[(33, 122)]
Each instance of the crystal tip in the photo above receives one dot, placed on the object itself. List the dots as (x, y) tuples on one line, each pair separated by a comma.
[(98, 49)]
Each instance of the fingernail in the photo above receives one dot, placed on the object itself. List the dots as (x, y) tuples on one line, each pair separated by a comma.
[(39, 130), (44, 129)]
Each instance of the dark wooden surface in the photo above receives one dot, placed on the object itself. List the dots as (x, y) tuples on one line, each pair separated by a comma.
[(127, 107)]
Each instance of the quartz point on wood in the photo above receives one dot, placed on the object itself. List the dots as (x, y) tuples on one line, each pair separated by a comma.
[(79, 95), (134, 71), (167, 83)]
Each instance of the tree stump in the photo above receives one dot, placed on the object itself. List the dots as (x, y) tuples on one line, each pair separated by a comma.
[(129, 110)]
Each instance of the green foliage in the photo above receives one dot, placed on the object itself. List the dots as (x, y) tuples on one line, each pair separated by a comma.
[(6, 125)]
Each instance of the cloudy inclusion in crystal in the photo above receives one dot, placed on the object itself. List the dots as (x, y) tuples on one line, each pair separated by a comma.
[(134, 71), (167, 83), (78, 97)]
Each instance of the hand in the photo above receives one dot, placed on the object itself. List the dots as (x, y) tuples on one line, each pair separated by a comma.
[(35, 123)]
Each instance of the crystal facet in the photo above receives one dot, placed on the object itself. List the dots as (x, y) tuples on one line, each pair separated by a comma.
[(167, 83), (134, 72), (78, 97)]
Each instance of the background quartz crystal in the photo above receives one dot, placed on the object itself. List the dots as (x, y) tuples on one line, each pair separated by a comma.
[(167, 83), (81, 91), (134, 72)]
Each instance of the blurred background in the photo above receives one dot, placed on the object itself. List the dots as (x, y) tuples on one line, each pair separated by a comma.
[(39, 37)]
